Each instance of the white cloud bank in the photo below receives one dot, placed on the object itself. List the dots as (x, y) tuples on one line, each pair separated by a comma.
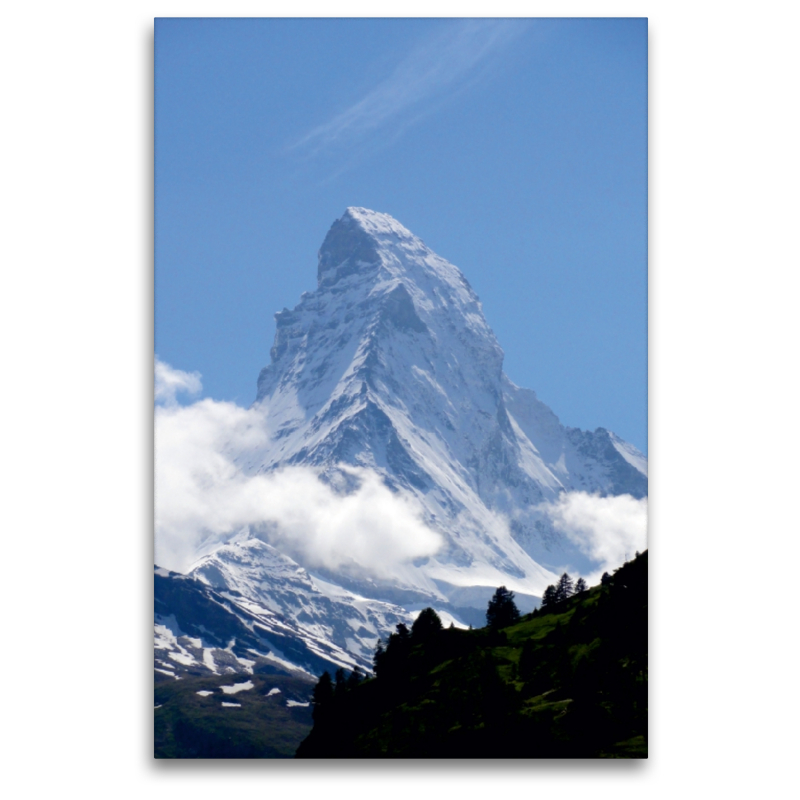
[(606, 529), (204, 494)]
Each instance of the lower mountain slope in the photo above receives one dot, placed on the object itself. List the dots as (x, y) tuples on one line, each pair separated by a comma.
[(257, 577), (569, 681), (200, 631), (233, 716)]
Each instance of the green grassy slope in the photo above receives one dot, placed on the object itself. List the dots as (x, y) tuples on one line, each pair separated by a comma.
[(189, 725), (570, 682)]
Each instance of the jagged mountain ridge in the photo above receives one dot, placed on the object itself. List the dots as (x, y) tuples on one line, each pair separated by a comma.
[(270, 583), (391, 365), (247, 607)]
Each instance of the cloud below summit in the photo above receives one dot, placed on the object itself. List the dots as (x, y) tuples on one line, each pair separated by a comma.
[(607, 529), (203, 494)]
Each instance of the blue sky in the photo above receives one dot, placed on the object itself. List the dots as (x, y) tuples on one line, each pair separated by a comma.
[(516, 149)]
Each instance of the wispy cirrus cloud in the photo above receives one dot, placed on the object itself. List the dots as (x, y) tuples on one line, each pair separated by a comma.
[(434, 69)]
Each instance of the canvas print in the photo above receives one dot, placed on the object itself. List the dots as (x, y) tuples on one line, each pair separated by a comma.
[(400, 388)]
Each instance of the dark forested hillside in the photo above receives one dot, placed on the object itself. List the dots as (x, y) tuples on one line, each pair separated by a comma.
[(568, 681), (231, 716)]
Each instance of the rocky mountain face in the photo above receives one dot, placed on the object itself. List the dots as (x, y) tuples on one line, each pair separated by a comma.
[(246, 608), (389, 365)]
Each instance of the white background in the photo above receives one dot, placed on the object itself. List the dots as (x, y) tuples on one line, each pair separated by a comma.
[(76, 316)]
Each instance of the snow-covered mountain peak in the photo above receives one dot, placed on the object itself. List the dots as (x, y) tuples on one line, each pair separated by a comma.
[(379, 287), (348, 249), (370, 244), (390, 365), (376, 223), (387, 382)]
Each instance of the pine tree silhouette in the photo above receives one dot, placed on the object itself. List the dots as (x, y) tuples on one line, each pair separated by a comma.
[(502, 609)]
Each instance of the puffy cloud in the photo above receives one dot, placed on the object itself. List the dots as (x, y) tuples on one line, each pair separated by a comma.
[(205, 492), (169, 381), (367, 531), (606, 529)]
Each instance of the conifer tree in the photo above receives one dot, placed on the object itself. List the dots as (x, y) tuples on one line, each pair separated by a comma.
[(426, 625), (379, 659), (502, 609), (549, 596), (397, 649), (353, 679), (402, 632), (564, 588), (341, 684), (322, 696), (580, 586)]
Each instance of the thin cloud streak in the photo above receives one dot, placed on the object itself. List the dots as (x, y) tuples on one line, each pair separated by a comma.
[(431, 69)]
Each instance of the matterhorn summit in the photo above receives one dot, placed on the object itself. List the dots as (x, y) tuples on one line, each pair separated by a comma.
[(391, 366)]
